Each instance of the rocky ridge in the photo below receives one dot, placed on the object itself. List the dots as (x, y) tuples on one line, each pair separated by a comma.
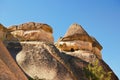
[(32, 47)]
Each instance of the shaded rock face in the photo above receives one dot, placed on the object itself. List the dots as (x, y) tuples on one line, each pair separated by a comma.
[(3, 32), (5, 73), (107, 69), (31, 45), (9, 70)]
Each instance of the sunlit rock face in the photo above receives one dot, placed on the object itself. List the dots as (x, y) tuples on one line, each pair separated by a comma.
[(32, 46), (78, 43), (39, 59), (31, 32)]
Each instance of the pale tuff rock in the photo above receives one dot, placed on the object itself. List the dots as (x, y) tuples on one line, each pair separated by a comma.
[(43, 61), (32, 32), (74, 45), (31, 44), (31, 26), (77, 39), (33, 35)]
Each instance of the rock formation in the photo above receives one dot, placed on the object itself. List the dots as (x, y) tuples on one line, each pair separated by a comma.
[(77, 42), (31, 32), (43, 61), (9, 70), (32, 46), (3, 32)]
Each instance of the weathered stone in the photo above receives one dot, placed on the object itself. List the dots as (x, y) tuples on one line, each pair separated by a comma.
[(2, 28), (31, 32), (12, 28), (3, 32), (74, 45), (75, 29), (96, 43), (33, 35), (76, 32), (76, 38), (108, 69), (44, 61), (45, 27), (10, 37), (5, 72), (96, 48), (31, 26), (39, 60), (86, 56), (9, 70)]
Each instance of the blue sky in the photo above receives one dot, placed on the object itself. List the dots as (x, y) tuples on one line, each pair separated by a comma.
[(100, 18)]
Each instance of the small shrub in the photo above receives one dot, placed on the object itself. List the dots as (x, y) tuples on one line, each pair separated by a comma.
[(96, 72)]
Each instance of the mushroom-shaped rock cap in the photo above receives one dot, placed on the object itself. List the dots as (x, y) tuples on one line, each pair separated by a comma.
[(76, 32), (31, 26), (31, 31)]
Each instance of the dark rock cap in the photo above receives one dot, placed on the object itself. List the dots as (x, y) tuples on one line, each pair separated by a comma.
[(76, 32), (75, 29)]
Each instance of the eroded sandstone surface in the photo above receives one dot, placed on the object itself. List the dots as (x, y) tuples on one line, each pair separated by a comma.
[(77, 42), (32, 46), (9, 69)]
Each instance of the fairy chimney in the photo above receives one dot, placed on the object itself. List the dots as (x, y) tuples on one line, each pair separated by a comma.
[(77, 39)]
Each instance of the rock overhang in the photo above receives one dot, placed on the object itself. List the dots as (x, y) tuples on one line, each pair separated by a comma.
[(30, 31), (76, 38)]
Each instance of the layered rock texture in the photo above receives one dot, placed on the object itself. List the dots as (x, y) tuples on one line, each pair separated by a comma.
[(77, 42), (32, 46), (31, 32), (9, 70)]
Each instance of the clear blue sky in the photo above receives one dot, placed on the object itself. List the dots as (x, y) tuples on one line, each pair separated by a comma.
[(100, 18)]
